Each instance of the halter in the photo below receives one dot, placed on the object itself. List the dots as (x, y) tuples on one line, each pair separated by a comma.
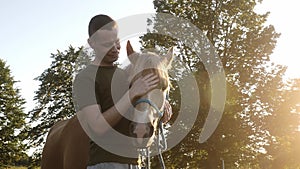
[(162, 146), (160, 113)]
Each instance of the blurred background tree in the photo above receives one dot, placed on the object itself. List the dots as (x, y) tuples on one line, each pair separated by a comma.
[(260, 123), (258, 97), (12, 120), (53, 99)]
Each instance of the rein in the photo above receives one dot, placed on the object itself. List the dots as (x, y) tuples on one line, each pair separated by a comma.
[(161, 146)]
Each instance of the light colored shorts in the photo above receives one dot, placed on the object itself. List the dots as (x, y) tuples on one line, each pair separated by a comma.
[(112, 166)]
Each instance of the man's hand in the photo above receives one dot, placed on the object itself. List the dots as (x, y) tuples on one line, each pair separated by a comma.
[(143, 85)]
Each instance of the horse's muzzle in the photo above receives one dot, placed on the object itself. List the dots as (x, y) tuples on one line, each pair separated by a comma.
[(142, 132)]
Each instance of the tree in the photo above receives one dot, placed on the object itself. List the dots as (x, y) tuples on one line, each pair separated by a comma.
[(12, 119), (53, 98), (283, 127), (256, 100), (244, 44)]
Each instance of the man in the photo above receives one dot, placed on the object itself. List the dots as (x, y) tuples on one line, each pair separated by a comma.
[(97, 108)]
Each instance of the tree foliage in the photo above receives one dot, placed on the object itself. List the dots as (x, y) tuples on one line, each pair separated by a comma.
[(53, 98), (261, 117), (12, 119), (257, 97), (283, 127)]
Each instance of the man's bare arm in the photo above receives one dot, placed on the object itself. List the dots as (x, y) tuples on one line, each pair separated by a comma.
[(92, 118)]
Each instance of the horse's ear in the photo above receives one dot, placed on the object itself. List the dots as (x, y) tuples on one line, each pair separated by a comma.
[(131, 54), (169, 57), (129, 48)]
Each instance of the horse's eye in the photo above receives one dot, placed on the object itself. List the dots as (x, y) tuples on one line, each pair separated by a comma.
[(163, 84)]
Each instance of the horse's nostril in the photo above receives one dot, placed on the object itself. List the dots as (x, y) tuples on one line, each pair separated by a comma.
[(131, 129), (142, 132), (150, 130)]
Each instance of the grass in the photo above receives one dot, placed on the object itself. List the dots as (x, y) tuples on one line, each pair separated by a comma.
[(14, 167)]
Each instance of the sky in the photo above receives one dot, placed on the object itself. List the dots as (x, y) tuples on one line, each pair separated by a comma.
[(31, 30), (285, 18)]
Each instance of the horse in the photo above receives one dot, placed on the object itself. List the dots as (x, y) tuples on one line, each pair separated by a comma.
[(67, 144), (66, 147), (148, 108)]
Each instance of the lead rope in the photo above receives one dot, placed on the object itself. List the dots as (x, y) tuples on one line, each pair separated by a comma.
[(160, 147), (163, 146), (143, 155), (148, 157)]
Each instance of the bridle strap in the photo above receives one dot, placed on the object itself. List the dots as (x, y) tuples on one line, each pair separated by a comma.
[(160, 132), (144, 100)]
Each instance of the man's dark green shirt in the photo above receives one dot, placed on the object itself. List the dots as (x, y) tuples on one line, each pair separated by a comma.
[(103, 85)]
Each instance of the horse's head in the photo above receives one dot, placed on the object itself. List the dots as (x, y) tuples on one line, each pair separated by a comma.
[(149, 108)]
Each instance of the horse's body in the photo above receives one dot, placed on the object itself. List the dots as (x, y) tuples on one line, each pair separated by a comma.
[(67, 144)]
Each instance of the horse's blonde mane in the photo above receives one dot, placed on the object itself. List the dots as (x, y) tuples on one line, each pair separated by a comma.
[(146, 61)]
